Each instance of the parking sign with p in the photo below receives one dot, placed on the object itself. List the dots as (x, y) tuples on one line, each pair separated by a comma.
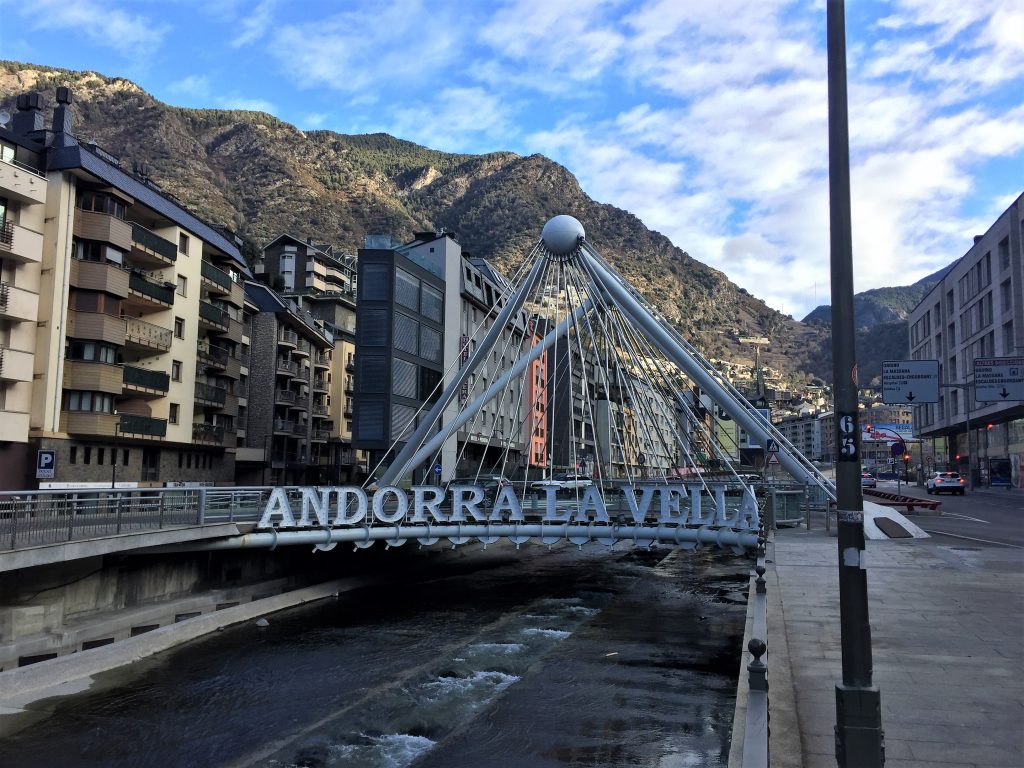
[(46, 464)]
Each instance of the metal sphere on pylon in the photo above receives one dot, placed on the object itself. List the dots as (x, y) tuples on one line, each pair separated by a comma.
[(562, 235)]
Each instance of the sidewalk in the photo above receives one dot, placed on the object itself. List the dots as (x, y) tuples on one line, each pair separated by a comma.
[(947, 626)]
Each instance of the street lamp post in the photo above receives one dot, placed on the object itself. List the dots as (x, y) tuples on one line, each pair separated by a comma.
[(113, 458)]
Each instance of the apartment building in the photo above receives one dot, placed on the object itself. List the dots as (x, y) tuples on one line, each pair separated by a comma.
[(975, 311), (288, 416), (23, 190), (136, 306), (322, 282), (804, 431)]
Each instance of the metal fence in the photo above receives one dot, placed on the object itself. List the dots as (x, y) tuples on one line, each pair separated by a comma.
[(34, 518)]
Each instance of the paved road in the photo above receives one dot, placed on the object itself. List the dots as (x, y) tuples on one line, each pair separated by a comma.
[(984, 516)]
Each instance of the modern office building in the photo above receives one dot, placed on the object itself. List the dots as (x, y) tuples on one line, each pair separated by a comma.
[(322, 282), (804, 432), (975, 311), (136, 306), (288, 415), (422, 309)]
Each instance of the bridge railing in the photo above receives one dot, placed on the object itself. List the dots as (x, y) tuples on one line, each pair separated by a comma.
[(36, 518)]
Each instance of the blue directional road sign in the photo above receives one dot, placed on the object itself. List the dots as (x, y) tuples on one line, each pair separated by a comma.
[(437, 470)]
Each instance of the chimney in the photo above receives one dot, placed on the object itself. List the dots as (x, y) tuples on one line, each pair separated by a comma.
[(978, 238), (62, 118), (29, 116)]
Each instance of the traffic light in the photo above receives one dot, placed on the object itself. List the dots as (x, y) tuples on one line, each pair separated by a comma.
[(906, 457), (990, 426), (958, 457)]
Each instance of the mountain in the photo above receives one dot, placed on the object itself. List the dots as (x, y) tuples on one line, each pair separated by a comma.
[(882, 305), (881, 318), (259, 176)]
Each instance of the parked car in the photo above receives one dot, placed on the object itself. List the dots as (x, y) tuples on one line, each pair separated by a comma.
[(867, 480), (564, 481), (951, 482)]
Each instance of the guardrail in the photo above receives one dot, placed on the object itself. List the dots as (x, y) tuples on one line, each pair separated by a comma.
[(755, 718)]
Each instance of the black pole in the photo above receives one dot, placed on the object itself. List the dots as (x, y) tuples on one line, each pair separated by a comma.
[(858, 704)]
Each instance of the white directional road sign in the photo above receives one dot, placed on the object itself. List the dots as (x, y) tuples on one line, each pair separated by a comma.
[(910, 381), (998, 378)]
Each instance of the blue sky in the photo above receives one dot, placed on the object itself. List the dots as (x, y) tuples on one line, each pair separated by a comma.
[(705, 118)]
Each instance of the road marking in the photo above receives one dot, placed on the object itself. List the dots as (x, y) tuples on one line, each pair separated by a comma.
[(972, 538), (965, 517)]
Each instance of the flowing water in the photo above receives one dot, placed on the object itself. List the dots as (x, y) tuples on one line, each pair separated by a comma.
[(622, 657)]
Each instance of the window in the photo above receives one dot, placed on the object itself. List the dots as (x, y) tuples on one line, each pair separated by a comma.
[(179, 328), (181, 460), (88, 455), (1008, 345), (183, 244), (91, 350), (73, 456), (94, 402), (175, 370), (99, 456), (124, 457), (182, 285), (172, 415)]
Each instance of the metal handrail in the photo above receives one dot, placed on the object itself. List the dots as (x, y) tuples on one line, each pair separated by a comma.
[(22, 166), (7, 233)]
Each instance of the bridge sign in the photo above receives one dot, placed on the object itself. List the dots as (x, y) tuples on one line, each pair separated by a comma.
[(910, 381), (998, 378)]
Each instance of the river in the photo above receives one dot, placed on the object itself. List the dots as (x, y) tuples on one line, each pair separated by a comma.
[(592, 657)]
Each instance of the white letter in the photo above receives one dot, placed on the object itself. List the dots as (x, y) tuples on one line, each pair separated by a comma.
[(592, 499), (378, 504), (639, 512), (507, 500), (420, 505), (319, 501), (670, 504), (343, 517), (551, 512), (460, 505), (277, 504)]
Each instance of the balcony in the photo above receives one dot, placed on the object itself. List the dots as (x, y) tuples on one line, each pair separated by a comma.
[(283, 426), (322, 360), (148, 295), (151, 250), (145, 381), (208, 434), (145, 337), (144, 426), (211, 317), (288, 367), (92, 376), (99, 276), (350, 387), (287, 338), (20, 244), (89, 423), (97, 326), (17, 303), (302, 349), (320, 410), (350, 367), (207, 394), (21, 183), (15, 365), (14, 426), (211, 354), (285, 396), (216, 279), (320, 435), (91, 225)]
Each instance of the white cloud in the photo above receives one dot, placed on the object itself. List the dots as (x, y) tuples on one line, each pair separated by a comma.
[(250, 105), (130, 35), (455, 119), (195, 86), (255, 23)]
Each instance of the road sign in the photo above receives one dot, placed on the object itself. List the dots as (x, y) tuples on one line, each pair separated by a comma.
[(773, 458), (910, 381), (772, 445), (46, 464), (437, 470), (999, 378)]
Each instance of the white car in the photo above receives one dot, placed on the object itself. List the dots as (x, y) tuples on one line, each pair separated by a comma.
[(564, 481), (950, 482)]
